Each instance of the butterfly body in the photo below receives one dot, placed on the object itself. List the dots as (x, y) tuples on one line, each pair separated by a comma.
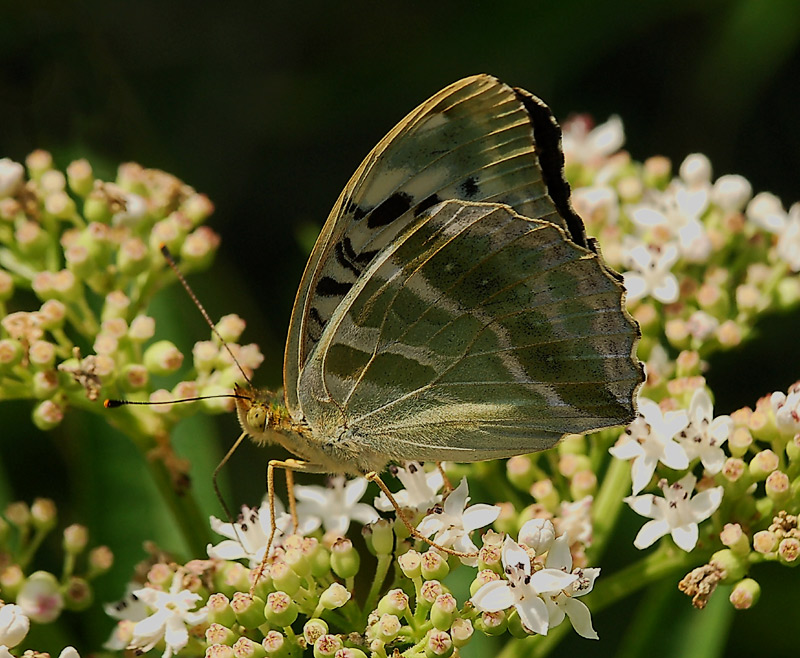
[(453, 307)]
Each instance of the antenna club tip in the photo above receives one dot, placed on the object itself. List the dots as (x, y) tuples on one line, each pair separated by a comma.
[(111, 404), (164, 249)]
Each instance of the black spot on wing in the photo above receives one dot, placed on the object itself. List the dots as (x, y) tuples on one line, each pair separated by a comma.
[(340, 251), (352, 208), (547, 139), (423, 205), (363, 259), (329, 287), (316, 325), (390, 209), (469, 188)]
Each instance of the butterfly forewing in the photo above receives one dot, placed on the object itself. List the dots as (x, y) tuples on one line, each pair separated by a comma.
[(473, 141), (477, 333)]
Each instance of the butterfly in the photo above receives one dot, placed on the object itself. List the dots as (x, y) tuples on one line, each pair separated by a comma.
[(453, 307)]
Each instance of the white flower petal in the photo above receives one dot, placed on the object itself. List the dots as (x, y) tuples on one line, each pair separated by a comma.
[(642, 505), (642, 471), (552, 580), (667, 290), (635, 285), (513, 555), (430, 524), (685, 536), (493, 597), (455, 503), (559, 556), (354, 490), (706, 503), (675, 456), (626, 450), (650, 532), (580, 618), (533, 614), (227, 549), (480, 515)]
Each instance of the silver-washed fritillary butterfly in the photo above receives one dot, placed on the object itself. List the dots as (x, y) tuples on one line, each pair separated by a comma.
[(453, 307)]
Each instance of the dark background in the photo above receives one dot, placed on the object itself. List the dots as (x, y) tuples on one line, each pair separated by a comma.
[(269, 107)]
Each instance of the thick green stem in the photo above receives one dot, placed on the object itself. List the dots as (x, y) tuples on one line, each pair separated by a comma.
[(607, 506), (384, 562)]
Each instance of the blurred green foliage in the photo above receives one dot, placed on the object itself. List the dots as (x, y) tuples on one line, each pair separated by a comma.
[(268, 108)]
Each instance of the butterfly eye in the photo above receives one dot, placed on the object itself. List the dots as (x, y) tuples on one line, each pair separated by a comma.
[(257, 418)]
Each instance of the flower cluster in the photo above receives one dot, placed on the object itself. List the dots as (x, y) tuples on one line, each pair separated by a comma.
[(39, 597)]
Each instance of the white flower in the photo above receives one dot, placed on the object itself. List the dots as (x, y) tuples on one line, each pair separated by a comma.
[(596, 204), (701, 325), (173, 612), (565, 602), (731, 192), (787, 409), (11, 176), (704, 435), (575, 520), (766, 211), (676, 513), (789, 240), (14, 625), (247, 538), (650, 439), (129, 607), (40, 597), (453, 522), (69, 652), (334, 507), (537, 534), (524, 590), (421, 489), (651, 273), (591, 146)]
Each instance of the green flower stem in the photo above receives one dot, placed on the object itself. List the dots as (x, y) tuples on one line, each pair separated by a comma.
[(668, 560), (607, 505), (30, 547), (381, 570)]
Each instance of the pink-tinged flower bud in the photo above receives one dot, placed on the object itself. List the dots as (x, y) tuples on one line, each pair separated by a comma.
[(583, 483), (160, 575), (14, 625), (38, 162), (490, 557), (78, 594), (334, 597), (443, 611), (763, 463), (789, 550), (729, 334), (492, 623), (280, 609), (345, 560), (220, 611), (11, 353), (276, 645), (134, 377), (249, 610), (394, 602), (43, 514), (745, 594), (520, 472), (284, 578), (6, 286), (438, 645), (197, 207), (204, 355), (410, 564), (326, 646), (429, 591), (434, 566), (657, 171), (545, 494), (166, 232), (461, 632), (198, 249), (314, 629), (350, 652), (40, 598), (230, 327), (739, 441), (52, 314), (244, 647), (76, 537), (733, 469), (765, 541), (79, 175), (218, 651), (117, 304), (734, 538), (217, 633), (66, 286), (18, 513), (12, 177), (47, 415), (133, 257), (483, 577), (42, 355), (31, 240), (142, 328), (101, 559), (162, 358), (777, 487), (386, 628)]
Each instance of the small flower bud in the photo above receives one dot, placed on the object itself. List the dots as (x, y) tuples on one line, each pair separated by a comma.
[(777, 487), (386, 628), (538, 534), (745, 594), (213, 650), (162, 358), (492, 623), (443, 611), (326, 646), (12, 176), (765, 541), (314, 629), (429, 591), (490, 557), (38, 162), (78, 594), (740, 441), (350, 652), (394, 602), (382, 536), (483, 577), (31, 240), (545, 494), (345, 560), (142, 328), (230, 327), (244, 647), (520, 472), (434, 566), (334, 597), (410, 564), (734, 538), (133, 257), (43, 514), (733, 566), (763, 463), (249, 610), (280, 609), (11, 353), (276, 645), (18, 513), (789, 550), (75, 538), (47, 415), (6, 286), (438, 645), (461, 632), (40, 598), (218, 633), (733, 469)]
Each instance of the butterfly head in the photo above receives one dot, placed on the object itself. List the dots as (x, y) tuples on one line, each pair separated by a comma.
[(260, 413)]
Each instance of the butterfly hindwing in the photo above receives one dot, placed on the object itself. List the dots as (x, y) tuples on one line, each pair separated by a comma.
[(476, 334), (477, 140)]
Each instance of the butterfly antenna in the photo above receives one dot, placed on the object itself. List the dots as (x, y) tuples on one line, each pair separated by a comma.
[(174, 266), (114, 404)]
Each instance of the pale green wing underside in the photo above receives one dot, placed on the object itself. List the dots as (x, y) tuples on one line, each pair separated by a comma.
[(475, 334), (476, 140)]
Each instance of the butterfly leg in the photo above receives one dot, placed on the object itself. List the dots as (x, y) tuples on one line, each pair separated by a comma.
[(372, 476), (290, 466)]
